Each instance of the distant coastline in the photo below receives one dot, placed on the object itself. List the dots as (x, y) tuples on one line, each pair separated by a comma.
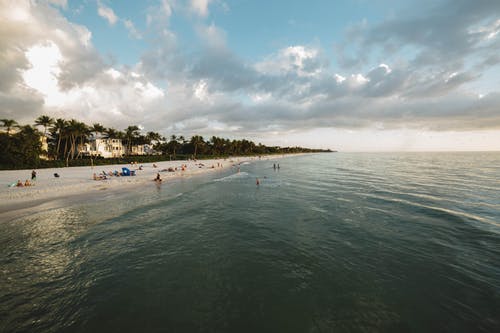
[(65, 143)]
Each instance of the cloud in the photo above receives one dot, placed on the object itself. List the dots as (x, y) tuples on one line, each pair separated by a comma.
[(159, 15), (211, 36), (49, 65), (298, 59), (200, 7), (131, 29), (107, 13), (60, 3), (445, 34)]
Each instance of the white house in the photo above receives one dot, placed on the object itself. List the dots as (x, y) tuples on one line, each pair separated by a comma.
[(137, 150), (106, 148)]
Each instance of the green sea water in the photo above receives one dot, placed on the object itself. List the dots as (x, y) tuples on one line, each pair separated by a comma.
[(406, 242)]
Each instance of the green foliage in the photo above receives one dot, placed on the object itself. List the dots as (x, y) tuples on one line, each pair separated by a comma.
[(22, 149), (8, 124)]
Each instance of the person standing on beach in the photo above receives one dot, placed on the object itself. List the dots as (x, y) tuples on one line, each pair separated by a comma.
[(33, 175)]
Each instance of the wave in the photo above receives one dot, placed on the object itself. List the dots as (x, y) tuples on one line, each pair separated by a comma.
[(233, 177)]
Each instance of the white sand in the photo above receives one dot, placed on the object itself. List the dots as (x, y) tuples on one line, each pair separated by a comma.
[(79, 180)]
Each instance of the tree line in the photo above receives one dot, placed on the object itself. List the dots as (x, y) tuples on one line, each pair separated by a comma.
[(21, 145)]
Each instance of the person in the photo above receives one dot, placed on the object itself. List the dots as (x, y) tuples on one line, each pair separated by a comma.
[(278, 166), (33, 175), (27, 183), (274, 166), (154, 165), (56, 175), (99, 177), (19, 183), (257, 182), (158, 178)]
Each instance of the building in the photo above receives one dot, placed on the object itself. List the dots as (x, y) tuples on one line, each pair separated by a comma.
[(45, 147), (138, 150), (107, 148)]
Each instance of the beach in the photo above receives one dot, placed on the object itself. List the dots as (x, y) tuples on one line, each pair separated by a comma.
[(78, 181)]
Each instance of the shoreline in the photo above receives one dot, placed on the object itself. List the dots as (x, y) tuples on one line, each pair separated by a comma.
[(75, 182)]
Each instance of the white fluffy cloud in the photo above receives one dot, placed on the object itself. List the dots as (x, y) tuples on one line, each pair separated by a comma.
[(107, 13), (200, 7), (56, 70), (299, 59)]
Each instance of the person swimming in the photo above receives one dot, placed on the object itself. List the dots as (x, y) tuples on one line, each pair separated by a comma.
[(158, 178)]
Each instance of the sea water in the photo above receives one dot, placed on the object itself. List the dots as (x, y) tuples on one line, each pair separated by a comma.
[(405, 242)]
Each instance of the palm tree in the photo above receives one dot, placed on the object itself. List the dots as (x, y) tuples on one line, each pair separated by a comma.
[(173, 144), (75, 130), (44, 121), (110, 133), (58, 128), (217, 145), (97, 129), (196, 141), (83, 133), (153, 136), (8, 123), (131, 133), (31, 146)]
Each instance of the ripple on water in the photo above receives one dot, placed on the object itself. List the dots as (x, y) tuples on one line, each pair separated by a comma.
[(330, 242)]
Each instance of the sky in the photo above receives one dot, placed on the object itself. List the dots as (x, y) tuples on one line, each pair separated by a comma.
[(350, 75)]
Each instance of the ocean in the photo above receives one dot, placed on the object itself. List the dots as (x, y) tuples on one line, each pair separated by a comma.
[(340, 242)]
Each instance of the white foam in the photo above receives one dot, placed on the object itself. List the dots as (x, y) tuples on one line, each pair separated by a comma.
[(232, 177)]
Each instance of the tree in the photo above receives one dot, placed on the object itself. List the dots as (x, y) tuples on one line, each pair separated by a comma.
[(131, 133), (173, 144), (8, 123), (75, 130), (97, 129), (83, 132), (196, 141), (153, 136), (44, 121), (22, 149), (110, 133), (217, 145), (58, 127)]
